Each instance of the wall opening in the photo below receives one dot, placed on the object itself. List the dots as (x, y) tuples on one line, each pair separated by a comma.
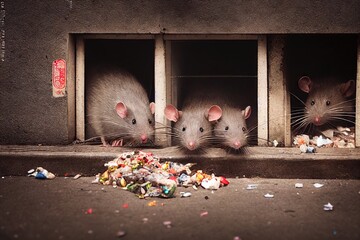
[(135, 56), (322, 58), (217, 68)]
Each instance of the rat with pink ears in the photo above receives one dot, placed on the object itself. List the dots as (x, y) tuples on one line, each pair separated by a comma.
[(193, 128), (231, 129), (329, 103), (118, 109)]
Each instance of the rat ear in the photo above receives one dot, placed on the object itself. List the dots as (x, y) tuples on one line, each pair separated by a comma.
[(171, 113), (121, 109), (152, 107), (348, 89), (213, 113), (246, 112), (305, 84)]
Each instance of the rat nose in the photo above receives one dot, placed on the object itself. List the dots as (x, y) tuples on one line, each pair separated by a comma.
[(191, 145), (317, 120), (237, 144), (143, 138)]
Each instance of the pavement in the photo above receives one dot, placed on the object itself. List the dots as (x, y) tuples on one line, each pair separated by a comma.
[(65, 208)]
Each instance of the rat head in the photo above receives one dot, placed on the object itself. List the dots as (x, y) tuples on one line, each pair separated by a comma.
[(193, 126), (231, 128), (326, 101), (139, 121)]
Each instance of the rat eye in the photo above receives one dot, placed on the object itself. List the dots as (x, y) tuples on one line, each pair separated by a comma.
[(226, 128), (133, 121), (183, 129), (244, 129), (327, 103), (150, 122), (312, 102), (201, 129)]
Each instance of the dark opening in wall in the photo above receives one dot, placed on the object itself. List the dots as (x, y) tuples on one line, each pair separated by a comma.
[(217, 68), (133, 56), (319, 57)]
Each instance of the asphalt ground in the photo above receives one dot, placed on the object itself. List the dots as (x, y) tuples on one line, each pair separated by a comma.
[(65, 208)]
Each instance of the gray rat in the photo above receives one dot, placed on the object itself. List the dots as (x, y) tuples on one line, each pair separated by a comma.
[(328, 102), (193, 125), (117, 108), (231, 130)]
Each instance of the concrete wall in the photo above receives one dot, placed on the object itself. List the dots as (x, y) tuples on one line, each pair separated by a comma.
[(35, 33)]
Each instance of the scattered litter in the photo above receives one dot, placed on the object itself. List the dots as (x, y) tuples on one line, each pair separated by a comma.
[(195, 187), (90, 232), (145, 220), (318, 185), (204, 214), (77, 176), (321, 141), (97, 179), (268, 195), (275, 143), (237, 238), (89, 211), (224, 181), (212, 183), (125, 205), (152, 204), (328, 207), (307, 149), (341, 137), (301, 140), (251, 186), (41, 173), (120, 233), (299, 185), (185, 194), (143, 174), (167, 224)]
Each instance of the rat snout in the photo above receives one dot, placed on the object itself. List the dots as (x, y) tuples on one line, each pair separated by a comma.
[(237, 144), (143, 138), (317, 120), (191, 145)]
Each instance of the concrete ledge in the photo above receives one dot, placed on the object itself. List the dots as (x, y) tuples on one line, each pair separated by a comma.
[(262, 162)]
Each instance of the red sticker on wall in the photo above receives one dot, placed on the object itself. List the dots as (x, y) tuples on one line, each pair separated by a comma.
[(59, 77)]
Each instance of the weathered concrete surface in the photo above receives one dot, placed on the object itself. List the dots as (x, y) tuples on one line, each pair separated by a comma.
[(263, 162), (55, 209)]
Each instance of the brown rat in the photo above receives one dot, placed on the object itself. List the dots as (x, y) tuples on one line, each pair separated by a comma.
[(118, 108), (193, 125), (328, 103)]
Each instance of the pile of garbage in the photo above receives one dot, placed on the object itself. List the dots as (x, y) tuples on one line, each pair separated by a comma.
[(145, 175), (339, 138)]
